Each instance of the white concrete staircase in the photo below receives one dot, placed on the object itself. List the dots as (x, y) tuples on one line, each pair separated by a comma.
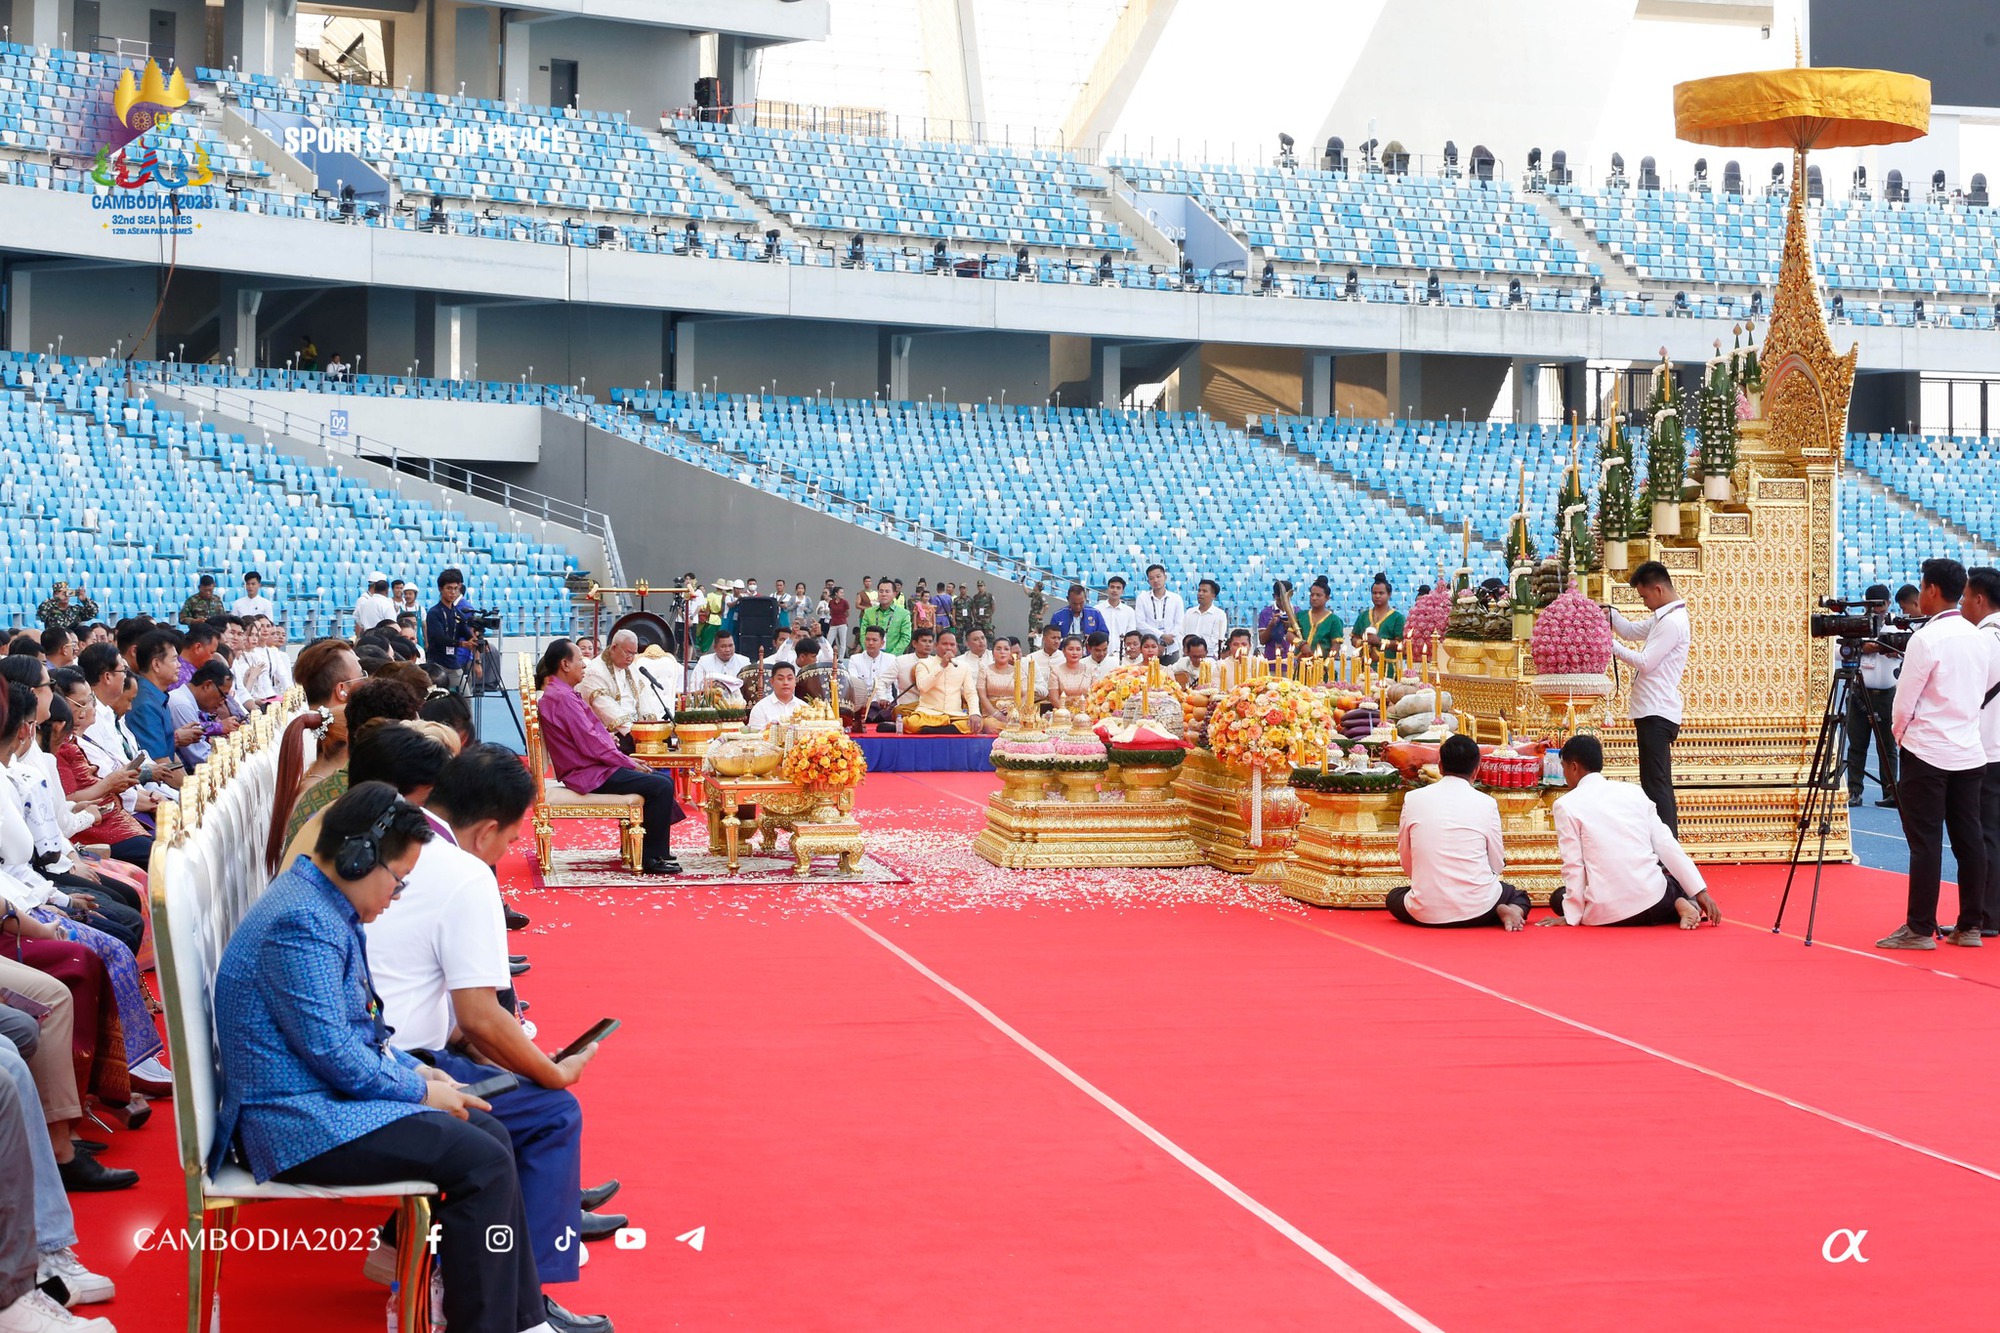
[(765, 219)]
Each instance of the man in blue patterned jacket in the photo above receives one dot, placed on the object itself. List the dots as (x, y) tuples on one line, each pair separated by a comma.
[(313, 1092)]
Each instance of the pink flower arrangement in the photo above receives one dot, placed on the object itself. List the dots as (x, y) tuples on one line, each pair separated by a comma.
[(1571, 638), (1428, 617)]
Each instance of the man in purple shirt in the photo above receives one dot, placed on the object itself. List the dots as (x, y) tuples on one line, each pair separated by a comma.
[(198, 645), (583, 755)]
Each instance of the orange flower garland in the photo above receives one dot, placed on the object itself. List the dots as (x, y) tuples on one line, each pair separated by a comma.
[(1270, 723), (824, 759)]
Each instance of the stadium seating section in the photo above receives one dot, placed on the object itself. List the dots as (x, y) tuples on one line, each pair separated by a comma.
[(636, 190), (998, 196), (135, 501)]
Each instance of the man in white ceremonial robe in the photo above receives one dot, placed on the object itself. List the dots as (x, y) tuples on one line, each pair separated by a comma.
[(1451, 849), (614, 691), (1621, 864)]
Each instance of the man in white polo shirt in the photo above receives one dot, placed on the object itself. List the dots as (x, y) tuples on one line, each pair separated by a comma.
[(1160, 611), (1656, 681), (1621, 864), (1449, 840), (1942, 760), (439, 960)]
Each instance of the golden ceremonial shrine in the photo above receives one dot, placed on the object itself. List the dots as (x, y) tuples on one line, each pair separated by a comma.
[(1738, 502)]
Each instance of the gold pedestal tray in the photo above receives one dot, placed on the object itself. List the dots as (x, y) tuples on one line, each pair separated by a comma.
[(1216, 799), (1346, 851), (819, 820), (1075, 834)]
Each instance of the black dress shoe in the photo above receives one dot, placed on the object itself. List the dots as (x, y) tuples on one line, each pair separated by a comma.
[(517, 958), (90, 1145), (1888, 803), (599, 1226), (516, 969), (562, 1321), (84, 1174), (656, 865), (595, 1198), (516, 920)]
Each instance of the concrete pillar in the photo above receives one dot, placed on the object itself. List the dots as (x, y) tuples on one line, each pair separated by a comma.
[(1404, 388), (37, 22), (455, 338), (392, 337), (20, 304), (893, 366), (1527, 391), (1575, 390), (684, 353), (516, 64), (736, 66), (1107, 374), (244, 344), (1319, 384), (257, 35)]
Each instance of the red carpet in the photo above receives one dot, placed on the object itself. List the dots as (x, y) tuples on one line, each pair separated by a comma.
[(1552, 1130)]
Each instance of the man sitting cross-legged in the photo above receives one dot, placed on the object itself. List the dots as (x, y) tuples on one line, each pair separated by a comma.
[(1450, 844), (1621, 867)]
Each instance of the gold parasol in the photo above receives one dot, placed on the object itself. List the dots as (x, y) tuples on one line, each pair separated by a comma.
[(1807, 382), (1803, 108)]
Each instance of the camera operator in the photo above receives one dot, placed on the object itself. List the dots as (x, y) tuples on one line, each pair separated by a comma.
[(1868, 710), (1656, 681), (1982, 608), (1947, 670), (449, 636)]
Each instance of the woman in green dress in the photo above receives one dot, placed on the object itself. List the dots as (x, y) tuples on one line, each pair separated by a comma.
[(1380, 625), (1316, 630)]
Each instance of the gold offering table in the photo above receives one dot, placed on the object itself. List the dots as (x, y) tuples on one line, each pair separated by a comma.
[(820, 821), (1218, 802), (1346, 855), (1029, 828)]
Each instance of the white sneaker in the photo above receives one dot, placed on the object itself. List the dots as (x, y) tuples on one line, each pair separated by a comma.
[(84, 1287), (36, 1313), (153, 1071)]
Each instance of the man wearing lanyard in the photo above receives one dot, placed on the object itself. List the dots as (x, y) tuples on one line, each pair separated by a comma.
[(1656, 681), (1947, 670), (1160, 611)]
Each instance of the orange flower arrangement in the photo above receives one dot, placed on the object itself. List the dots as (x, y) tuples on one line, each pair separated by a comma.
[(1109, 696), (1270, 723), (824, 759)]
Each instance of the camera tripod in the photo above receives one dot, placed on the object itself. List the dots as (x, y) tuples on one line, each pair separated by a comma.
[(1822, 788)]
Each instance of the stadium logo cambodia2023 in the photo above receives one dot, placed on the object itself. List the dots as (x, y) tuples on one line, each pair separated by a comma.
[(153, 173)]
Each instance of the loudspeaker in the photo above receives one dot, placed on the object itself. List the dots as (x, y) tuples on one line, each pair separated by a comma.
[(756, 625), (708, 100)]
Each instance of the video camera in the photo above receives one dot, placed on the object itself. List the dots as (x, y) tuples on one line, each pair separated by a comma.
[(1854, 622), (481, 623)]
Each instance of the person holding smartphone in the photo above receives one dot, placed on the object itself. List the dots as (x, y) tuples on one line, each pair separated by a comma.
[(440, 964)]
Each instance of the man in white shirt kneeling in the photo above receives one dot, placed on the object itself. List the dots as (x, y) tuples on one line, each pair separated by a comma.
[(1621, 865), (1450, 844)]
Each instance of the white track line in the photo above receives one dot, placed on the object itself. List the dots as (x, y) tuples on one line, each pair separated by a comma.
[(1653, 1051), (1346, 1271)]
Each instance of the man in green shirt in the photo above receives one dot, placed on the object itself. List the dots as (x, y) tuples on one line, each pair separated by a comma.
[(60, 611), (1038, 604), (203, 604)]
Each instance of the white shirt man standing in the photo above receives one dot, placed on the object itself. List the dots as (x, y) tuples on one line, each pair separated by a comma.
[(1206, 620), (253, 602), (1657, 669), (374, 605), (1947, 670), (1450, 845), (1120, 616), (1982, 610), (1621, 864), (1160, 612)]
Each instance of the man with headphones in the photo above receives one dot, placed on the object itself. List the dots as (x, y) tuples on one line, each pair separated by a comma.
[(440, 963), (313, 1093)]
